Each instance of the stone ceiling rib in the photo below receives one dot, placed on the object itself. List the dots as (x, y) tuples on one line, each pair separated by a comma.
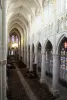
[(24, 9), (16, 26), (25, 21), (19, 22)]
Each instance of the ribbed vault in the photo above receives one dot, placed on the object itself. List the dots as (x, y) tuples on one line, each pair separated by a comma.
[(22, 10), (21, 14)]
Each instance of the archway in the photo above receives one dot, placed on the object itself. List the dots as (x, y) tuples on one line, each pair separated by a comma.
[(63, 61), (39, 59), (49, 58), (14, 45)]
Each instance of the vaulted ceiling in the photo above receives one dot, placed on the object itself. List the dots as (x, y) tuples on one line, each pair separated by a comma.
[(20, 13)]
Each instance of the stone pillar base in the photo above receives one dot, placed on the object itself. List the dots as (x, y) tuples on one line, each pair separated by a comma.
[(27, 66), (55, 92), (43, 81)]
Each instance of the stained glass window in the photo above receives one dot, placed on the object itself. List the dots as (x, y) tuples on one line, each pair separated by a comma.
[(12, 52), (13, 38), (16, 39)]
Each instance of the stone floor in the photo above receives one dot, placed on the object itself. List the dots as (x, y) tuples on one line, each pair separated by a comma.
[(16, 90), (19, 91), (40, 90), (62, 90), (34, 83)]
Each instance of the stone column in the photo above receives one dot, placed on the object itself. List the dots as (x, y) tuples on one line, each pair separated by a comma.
[(43, 68), (22, 46), (0, 81), (19, 48), (35, 57), (4, 81), (25, 53), (31, 59), (25, 49), (22, 52), (27, 57), (35, 52), (56, 72), (4, 51), (28, 48), (0, 52), (56, 66), (48, 62)]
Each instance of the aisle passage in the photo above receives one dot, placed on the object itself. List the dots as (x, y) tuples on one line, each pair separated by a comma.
[(16, 89), (40, 90)]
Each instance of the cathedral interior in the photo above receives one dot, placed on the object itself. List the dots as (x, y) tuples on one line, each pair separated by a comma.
[(33, 49)]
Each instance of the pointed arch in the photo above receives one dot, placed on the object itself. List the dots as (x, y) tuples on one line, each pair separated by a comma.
[(59, 42), (48, 44), (33, 47), (39, 46), (46, 41)]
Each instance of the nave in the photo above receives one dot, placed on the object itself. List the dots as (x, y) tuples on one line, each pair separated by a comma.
[(34, 32), (18, 91)]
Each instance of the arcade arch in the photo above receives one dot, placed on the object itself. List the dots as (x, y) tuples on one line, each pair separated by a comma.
[(62, 51), (39, 59), (49, 58)]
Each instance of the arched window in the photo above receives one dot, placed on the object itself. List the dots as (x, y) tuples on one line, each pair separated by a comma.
[(13, 38), (16, 39), (63, 60)]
